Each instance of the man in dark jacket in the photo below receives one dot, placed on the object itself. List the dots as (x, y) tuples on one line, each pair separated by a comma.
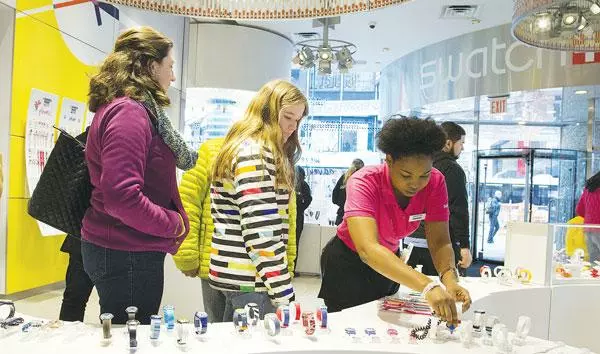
[(445, 162)]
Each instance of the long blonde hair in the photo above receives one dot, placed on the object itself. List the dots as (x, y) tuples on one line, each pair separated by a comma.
[(261, 122), (126, 71)]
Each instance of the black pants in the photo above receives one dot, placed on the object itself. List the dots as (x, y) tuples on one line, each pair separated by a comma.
[(299, 228), (78, 285), (422, 256), (125, 279), (347, 281)]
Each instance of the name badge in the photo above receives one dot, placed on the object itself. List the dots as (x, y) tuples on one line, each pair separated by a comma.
[(417, 217)]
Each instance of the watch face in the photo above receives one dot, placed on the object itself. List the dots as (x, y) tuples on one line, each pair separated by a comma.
[(7, 309), (88, 28)]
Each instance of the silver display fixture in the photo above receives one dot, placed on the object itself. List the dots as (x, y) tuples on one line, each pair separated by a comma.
[(326, 51), (566, 25)]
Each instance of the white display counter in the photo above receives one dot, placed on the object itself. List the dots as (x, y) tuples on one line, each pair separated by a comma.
[(506, 302)]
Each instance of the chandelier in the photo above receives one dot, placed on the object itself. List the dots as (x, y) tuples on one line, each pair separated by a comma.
[(258, 9), (567, 25), (325, 52)]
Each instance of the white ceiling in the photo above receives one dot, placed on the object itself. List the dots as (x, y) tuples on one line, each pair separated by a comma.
[(402, 28)]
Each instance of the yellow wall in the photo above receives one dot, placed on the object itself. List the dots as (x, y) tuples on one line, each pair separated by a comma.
[(41, 61)]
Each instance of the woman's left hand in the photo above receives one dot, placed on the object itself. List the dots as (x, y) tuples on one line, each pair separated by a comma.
[(459, 294)]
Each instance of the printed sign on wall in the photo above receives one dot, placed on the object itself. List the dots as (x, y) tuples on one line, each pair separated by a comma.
[(71, 116), (39, 141)]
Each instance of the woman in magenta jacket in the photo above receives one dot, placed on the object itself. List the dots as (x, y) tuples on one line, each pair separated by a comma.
[(135, 215), (589, 208)]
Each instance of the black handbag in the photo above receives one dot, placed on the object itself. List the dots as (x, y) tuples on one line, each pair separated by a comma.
[(62, 195)]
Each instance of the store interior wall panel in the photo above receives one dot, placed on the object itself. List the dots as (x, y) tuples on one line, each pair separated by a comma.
[(7, 26)]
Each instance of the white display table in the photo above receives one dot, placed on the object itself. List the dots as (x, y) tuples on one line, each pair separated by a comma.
[(506, 302)]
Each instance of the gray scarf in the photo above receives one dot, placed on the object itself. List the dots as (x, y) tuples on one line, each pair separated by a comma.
[(184, 156)]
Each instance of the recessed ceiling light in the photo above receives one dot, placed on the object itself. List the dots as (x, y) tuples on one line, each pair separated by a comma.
[(581, 92), (521, 123)]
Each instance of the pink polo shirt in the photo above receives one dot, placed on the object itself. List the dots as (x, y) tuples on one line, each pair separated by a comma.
[(369, 192)]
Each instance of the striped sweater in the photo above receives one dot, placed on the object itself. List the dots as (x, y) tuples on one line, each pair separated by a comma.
[(251, 228)]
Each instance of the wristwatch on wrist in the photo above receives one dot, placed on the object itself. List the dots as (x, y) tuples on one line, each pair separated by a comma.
[(429, 287)]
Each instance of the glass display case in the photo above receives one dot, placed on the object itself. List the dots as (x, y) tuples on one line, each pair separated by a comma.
[(575, 253), (554, 254)]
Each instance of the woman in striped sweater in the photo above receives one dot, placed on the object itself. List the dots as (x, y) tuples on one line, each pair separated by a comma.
[(252, 180)]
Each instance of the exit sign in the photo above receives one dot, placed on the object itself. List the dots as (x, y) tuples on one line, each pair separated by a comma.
[(498, 105)]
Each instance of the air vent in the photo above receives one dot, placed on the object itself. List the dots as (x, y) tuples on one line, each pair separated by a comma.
[(459, 12), (307, 35)]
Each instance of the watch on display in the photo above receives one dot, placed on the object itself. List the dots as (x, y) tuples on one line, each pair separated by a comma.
[(240, 320), (272, 324), (478, 320), (322, 316), (106, 320), (252, 313), (295, 311), (131, 312), (283, 313), (30, 326), (523, 328), (182, 331), (201, 322), (466, 332), (155, 322), (132, 326), (169, 316), (7, 309), (308, 322)]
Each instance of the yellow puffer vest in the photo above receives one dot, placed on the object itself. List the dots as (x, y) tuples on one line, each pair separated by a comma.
[(194, 189)]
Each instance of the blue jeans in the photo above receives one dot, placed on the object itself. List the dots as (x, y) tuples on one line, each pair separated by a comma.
[(124, 279), (494, 227), (238, 300), (214, 302)]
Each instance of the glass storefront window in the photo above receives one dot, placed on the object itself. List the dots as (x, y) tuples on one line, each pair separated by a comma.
[(341, 126), (550, 123), (492, 136), (209, 112)]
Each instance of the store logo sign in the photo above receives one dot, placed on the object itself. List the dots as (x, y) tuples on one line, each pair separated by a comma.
[(497, 58)]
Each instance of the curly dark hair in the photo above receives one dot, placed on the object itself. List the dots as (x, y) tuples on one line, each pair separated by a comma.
[(410, 136)]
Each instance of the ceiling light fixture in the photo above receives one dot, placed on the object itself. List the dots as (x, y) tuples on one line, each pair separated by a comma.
[(581, 92), (258, 10), (566, 25), (326, 51)]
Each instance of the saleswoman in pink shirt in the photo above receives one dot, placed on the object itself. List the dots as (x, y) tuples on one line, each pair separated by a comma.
[(384, 204)]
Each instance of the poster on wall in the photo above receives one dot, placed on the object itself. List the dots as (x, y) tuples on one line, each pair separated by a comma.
[(89, 117), (39, 140), (71, 116)]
